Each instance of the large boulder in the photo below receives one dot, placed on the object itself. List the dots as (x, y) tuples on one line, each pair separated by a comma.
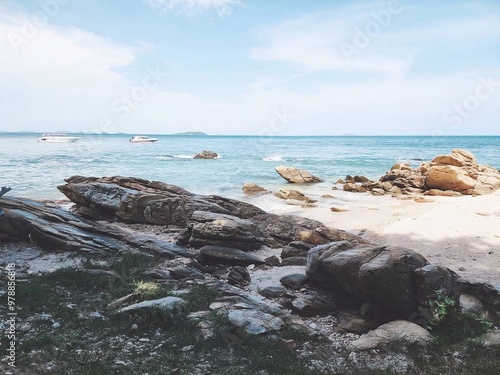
[(381, 274), (209, 228), (296, 175)]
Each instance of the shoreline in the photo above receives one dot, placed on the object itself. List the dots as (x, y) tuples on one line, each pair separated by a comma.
[(461, 233)]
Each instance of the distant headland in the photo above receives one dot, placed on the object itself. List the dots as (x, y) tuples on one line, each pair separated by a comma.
[(190, 133)]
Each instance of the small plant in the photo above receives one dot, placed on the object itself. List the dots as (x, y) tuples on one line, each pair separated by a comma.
[(449, 324)]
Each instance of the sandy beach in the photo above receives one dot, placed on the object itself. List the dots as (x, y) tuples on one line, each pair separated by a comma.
[(462, 233)]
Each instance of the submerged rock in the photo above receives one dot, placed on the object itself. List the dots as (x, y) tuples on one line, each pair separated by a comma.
[(206, 154)]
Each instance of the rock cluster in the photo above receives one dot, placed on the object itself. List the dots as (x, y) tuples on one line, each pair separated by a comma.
[(455, 174), (361, 286)]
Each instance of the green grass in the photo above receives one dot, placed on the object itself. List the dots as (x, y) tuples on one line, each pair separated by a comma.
[(171, 342)]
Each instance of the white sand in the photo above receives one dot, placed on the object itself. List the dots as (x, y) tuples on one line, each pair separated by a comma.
[(462, 233)]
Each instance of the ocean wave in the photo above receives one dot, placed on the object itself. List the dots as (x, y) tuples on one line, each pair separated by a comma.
[(181, 156), (273, 158), (164, 157)]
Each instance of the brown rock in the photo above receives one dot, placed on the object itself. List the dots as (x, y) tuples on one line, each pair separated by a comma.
[(251, 189), (295, 175), (206, 154), (293, 194), (355, 188), (336, 209)]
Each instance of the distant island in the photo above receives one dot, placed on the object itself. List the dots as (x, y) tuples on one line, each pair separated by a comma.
[(190, 133)]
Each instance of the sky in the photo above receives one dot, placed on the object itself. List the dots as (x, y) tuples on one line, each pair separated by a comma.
[(251, 67)]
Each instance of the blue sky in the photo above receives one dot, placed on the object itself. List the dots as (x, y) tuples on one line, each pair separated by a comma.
[(303, 67)]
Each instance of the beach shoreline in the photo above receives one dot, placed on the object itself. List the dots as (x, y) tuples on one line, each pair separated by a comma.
[(461, 233)]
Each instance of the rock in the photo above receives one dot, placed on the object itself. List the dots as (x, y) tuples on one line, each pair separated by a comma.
[(295, 175), (253, 189), (491, 338), (328, 196), (205, 154), (164, 304), (432, 282), (446, 177), (471, 305), (458, 172), (293, 194), (336, 209), (353, 187), (398, 331), (295, 248), (294, 280), (225, 230), (349, 321), (272, 261), (442, 193), (227, 255), (255, 322), (239, 276), (295, 261), (308, 305), (361, 179), (273, 291), (151, 202), (381, 274), (378, 192), (56, 229), (488, 294), (340, 182), (183, 272)]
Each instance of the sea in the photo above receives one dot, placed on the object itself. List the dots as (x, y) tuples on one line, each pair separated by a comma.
[(34, 169)]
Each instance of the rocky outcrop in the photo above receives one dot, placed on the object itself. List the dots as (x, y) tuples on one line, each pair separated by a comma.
[(206, 154), (141, 201), (295, 175), (54, 228), (446, 175), (227, 255)]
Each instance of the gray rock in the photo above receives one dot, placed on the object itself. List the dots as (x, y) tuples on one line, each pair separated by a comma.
[(273, 291), (471, 305), (294, 281), (491, 338), (183, 272), (239, 276), (272, 261), (295, 261), (382, 274), (228, 255), (255, 322), (166, 304), (225, 230), (356, 323), (307, 305), (295, 248), (398, 331)]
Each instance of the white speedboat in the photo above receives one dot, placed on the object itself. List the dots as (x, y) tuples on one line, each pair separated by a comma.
[(57, 138), (142, 139)]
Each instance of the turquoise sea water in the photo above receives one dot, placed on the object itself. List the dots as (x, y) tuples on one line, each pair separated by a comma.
[(35, 169)]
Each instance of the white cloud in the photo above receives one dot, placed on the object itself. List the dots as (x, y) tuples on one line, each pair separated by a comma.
[(194, 7), (369, 38)]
